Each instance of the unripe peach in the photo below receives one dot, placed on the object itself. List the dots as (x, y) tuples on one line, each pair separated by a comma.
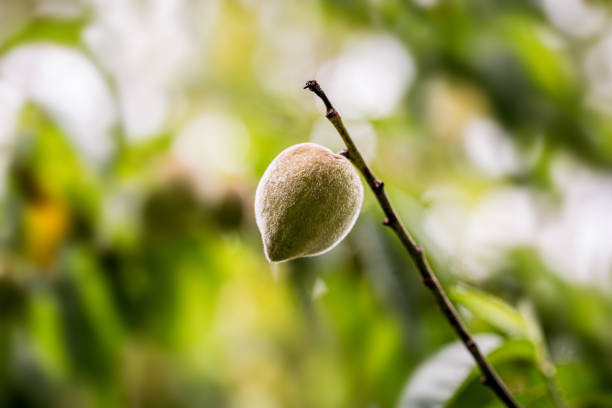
[(306, 202)]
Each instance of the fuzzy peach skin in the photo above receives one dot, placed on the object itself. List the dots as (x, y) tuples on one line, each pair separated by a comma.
[(306, 202)]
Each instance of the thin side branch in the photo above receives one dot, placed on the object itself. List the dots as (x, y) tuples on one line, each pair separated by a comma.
[(490, 376)]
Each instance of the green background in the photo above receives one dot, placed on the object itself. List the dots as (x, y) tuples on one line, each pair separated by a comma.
[(131, 270)]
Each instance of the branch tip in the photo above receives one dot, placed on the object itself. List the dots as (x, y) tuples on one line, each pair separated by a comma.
[(311, 85), (314, 87)]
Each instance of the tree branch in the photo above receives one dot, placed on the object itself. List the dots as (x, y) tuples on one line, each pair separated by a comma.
[(490, 376)]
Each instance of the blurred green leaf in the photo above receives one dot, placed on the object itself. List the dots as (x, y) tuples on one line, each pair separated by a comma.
[(541, 53), (514, 361), (536, 336), (437, 380), (46, 153), (520, 323), (491, 309), (95, 301), (47, 333), (66, 32)]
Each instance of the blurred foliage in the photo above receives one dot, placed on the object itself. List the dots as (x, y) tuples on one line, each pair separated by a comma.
[(141, 281)]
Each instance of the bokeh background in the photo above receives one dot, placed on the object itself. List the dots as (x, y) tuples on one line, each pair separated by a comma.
[(132, 137)]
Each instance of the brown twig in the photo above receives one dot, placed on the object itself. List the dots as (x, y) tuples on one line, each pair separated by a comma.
[(490, 376)]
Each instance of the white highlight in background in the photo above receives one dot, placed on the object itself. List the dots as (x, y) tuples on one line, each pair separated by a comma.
[(70, 89), (369, 78)]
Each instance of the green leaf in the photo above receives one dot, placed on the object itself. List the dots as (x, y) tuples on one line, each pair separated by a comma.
[(535, 335), (514, 361), (439, 378), (45, 324), (46, 151), (520, 322), (492, 310), (67, 32), (549, 67)]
